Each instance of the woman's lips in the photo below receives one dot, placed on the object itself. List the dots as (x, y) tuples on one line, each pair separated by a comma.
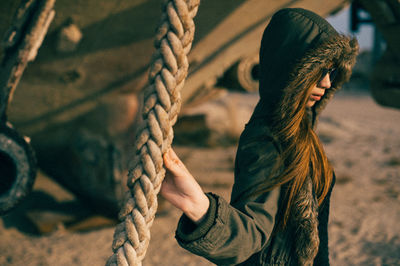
[(316, 97)]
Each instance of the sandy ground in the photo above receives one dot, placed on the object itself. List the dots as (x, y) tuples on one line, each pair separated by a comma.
[(361, 138)]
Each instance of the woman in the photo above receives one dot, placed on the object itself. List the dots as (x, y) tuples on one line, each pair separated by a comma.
[(278, 214)]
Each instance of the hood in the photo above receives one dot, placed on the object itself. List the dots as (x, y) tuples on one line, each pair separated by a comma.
[(297, 44)]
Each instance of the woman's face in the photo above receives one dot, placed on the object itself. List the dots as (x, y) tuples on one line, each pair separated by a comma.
[(318, 90)]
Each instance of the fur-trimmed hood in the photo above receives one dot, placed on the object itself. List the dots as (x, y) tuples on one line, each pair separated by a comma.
[(297, 44)]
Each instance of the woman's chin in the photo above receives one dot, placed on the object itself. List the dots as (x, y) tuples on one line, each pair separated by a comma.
[(310, 103)]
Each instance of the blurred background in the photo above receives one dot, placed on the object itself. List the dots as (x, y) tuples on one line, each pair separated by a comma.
[(74, 112)]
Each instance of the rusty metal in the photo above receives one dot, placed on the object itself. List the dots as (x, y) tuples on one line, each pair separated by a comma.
[(17, 159)]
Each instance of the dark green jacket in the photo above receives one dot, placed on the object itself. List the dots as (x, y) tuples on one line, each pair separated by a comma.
[(295, 44)]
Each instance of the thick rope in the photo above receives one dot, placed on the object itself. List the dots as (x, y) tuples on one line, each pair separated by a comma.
[(162, 101)]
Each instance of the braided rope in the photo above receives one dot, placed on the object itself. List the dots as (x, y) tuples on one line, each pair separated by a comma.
[(162, 101)]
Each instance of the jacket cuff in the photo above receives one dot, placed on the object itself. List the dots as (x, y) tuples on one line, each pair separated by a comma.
[(188, 231)]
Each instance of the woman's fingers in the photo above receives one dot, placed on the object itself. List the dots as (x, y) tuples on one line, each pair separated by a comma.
[(174, 158), (167, 159), (181, 189), (173, 163), (172, 155), (170, 158)]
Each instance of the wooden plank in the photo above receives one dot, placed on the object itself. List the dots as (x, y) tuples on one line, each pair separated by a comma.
[(240, 20), (244, 44), (24, 38)]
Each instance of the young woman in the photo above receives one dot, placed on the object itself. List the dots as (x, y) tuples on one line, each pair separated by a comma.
[(278, 214)]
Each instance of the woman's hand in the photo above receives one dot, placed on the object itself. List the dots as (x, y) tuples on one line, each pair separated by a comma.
[(182, 190)]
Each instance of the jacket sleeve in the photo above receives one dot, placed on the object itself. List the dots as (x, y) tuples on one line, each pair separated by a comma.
[(231, 233)]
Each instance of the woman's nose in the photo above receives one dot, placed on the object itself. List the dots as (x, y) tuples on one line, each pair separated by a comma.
[(325, 82)]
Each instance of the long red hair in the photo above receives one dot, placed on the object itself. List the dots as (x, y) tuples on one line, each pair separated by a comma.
[(302, 152)]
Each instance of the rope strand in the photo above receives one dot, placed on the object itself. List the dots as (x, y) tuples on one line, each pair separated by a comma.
[(162, 101)]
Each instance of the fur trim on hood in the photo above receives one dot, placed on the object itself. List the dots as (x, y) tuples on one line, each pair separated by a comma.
[(295, 46)]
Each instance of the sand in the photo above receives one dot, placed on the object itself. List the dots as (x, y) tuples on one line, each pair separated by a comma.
[(362, 139)]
